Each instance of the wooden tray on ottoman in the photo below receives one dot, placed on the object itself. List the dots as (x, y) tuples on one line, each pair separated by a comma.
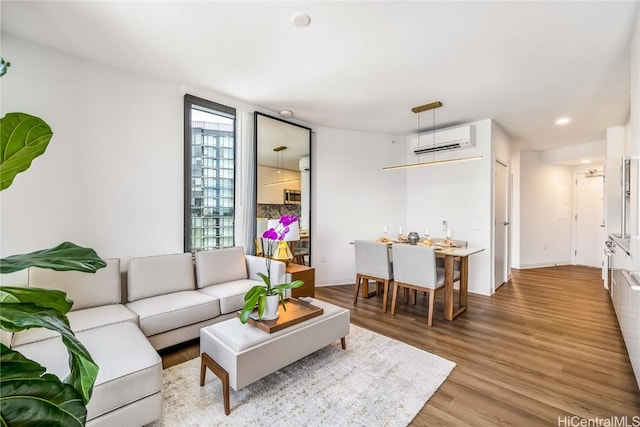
[(297, 312)]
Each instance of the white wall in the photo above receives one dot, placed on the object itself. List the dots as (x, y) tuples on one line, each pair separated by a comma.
[(109, 178), (112, 176), (568, 155), (352, 197), (461, 194), (545, 195), (634, 117)]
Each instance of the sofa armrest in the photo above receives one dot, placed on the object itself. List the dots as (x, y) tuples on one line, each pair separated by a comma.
[(256, 264)]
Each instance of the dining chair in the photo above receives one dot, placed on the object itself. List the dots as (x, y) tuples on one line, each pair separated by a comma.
[(300, 252), (372, 263), (414, 268), (259, 251), (456, 262)]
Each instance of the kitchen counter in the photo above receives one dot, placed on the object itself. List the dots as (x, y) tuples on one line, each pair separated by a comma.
[(624, 244)]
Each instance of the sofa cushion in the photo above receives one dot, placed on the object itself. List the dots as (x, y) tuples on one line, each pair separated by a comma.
[(80, 320), (84, 289), (220, 266), (159, 275), (257, 264), (166, 312), (130, 368), (231, 295)]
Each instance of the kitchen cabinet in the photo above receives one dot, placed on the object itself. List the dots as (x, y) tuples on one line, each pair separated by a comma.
[(626, 302), (272, 184)]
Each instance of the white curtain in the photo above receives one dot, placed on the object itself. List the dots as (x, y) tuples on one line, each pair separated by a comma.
[(245, 214)]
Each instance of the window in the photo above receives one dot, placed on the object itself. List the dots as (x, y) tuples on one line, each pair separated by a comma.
[(209, 177)]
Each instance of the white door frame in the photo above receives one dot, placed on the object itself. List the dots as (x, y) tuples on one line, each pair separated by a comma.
[(502, 276)]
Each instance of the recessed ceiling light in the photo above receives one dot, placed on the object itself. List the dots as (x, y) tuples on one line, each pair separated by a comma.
[(286, 113), (300, 19), (585, 161), (562, 121)]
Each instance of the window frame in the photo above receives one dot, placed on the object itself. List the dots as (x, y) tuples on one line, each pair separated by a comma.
[(189, 102)]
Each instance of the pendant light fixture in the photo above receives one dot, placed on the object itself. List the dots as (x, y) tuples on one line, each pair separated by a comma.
[(280, 170), (426, 107)]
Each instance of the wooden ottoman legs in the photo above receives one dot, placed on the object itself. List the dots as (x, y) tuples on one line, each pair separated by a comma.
[(208, 362)]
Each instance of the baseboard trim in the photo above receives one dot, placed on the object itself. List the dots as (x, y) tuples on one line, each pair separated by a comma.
[(543, 265)]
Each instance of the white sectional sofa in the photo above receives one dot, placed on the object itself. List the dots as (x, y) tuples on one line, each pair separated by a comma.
[(162, 291), (166, 304)]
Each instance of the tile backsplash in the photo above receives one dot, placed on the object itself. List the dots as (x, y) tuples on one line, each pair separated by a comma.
[(276, 211)]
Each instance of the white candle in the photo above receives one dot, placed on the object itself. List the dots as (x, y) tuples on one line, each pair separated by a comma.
[(449, 233), (385, 228), (426, 231), (400, 230)]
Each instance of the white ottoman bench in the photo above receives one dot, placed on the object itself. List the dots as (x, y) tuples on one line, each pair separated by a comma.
[(242, 354)]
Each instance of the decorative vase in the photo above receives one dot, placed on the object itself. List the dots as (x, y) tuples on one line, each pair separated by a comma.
[(271, 307), (413, 238)]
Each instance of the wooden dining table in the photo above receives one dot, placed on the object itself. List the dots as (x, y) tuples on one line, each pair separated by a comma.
[(450, 254)]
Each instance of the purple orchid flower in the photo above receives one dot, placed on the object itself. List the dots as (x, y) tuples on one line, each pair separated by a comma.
[(270, 234), (283, 233), (287, 220)]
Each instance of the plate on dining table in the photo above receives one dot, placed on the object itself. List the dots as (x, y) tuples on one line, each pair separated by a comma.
[(445, 244)]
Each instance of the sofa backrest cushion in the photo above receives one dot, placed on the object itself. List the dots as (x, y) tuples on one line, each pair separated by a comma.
[(86, 290), (220, 266), (159, 275)]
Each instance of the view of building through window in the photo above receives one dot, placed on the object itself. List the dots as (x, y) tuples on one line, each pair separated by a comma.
[(212, 179)]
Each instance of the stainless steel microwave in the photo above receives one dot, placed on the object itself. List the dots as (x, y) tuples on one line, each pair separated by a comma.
[(292, 197)]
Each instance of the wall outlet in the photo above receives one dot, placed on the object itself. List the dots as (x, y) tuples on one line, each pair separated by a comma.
[(444, 225), (545, 247)]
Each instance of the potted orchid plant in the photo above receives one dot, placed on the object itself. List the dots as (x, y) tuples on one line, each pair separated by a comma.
[(268, 296)]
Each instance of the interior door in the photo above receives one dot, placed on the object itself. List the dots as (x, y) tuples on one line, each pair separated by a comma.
[(501, 227), (589, 220)]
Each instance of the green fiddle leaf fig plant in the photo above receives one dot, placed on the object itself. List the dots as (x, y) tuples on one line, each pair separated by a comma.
[(28, 395), (65, 256), (23, 138)]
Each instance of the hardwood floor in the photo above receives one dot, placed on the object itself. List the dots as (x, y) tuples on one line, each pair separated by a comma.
[(546, 346)]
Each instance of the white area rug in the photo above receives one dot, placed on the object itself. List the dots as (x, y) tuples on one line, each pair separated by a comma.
[(376, 381)]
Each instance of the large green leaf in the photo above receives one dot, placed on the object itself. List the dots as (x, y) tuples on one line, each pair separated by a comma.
[(51, 298), (30, 397), (23, 137), (16, 317), (65, 256), (15, 365)]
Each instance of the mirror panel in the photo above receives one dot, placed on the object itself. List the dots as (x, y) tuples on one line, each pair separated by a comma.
[(283, 178)]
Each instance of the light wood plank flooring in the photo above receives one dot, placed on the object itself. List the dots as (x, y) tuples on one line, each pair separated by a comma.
[(546, 345)]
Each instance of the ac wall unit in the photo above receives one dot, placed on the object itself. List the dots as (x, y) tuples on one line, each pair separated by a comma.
[(445, 140)]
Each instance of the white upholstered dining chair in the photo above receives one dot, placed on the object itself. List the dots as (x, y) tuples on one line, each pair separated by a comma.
[(372, 263), (456, 262), (414, 268)]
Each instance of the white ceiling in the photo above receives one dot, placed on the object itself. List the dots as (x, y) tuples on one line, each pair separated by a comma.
[(364, 65)]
